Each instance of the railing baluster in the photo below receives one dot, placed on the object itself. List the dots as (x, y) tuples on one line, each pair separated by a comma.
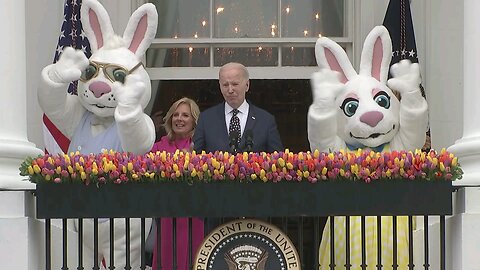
[(158, 243), (80, 244), (332, 243), (190, 243), (95, 244), (411, 266), (364, 251), (174, 243), (127, 244), (48, 245), (379, 242), (64, 244), (285, 224), (395, 244), (142, 244), (426, 264), (442, 243), (111, 243), (347, 243), (300, 241), (316, 241)]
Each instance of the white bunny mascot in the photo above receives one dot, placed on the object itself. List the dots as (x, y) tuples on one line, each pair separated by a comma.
[(113, 90), (352, 111)]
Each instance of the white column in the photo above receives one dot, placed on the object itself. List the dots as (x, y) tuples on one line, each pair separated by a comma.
[(14, 144), (466, 219), (468, 147)]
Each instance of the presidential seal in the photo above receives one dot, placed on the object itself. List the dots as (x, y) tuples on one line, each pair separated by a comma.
[(247, 244)]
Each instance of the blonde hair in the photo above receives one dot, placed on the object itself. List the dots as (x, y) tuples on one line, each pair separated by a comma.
[(167, 120)]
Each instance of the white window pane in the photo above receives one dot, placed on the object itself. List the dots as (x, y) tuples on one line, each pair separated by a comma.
[(244, 19), (183, 18), (309, 18)]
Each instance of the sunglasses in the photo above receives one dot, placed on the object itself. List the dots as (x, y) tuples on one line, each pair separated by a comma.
[(113, 72)]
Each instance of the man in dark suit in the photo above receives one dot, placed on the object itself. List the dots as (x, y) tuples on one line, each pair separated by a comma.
[(236, 125)]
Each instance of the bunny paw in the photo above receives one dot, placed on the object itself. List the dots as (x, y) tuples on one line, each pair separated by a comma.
[(69, 66), (326, 86), (130, 93), (405, 76)]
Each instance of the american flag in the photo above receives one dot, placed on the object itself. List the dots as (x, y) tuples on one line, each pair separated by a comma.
[(71, 35), (398, 21)]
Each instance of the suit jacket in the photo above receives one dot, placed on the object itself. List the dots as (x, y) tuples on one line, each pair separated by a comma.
[(211, 133)]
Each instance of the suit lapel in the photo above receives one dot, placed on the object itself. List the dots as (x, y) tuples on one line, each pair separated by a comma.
[(252, 118), (251, 122), (222, 122)]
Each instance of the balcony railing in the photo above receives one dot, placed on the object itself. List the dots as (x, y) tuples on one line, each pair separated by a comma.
[(296, 208)]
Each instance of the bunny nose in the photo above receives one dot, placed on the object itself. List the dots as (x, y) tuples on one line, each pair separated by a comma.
[(371, 118), (99, 89)]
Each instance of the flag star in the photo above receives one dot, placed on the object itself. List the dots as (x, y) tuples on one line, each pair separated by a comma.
[(75, 2), (404, 52), (73, 34), (82, 34), (59, 49), (411, 53), (74, 17), (84, 49), (62, 35)]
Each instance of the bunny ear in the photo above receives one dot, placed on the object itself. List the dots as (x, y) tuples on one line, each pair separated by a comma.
[(96, 23), (141, 29), (376, 54), (330, 55)]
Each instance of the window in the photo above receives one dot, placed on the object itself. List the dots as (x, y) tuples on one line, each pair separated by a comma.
[(275, 39)]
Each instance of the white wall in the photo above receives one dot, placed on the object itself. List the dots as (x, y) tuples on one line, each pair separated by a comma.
[(444, 77), (43, 22)]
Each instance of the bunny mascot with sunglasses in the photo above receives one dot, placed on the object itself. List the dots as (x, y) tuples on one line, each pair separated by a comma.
[(107, 113), (353, 110)]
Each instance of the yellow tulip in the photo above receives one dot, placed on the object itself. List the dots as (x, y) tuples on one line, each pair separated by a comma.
[(274, 168), (30, 170), (281, 162), (454, 161), (442, 167)]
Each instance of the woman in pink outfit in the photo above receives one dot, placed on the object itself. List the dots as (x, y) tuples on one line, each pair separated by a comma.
[(179, 122)]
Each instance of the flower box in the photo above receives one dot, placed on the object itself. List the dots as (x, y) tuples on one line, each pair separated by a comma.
[(252, 199)]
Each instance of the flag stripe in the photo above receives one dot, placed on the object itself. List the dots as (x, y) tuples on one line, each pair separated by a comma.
[(57, 137)]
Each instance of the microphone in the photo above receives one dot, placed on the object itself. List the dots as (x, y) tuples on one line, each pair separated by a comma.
[(248, 140), (233, 141)]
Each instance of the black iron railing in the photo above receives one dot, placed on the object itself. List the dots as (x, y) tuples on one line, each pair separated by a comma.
[(297, 208)]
